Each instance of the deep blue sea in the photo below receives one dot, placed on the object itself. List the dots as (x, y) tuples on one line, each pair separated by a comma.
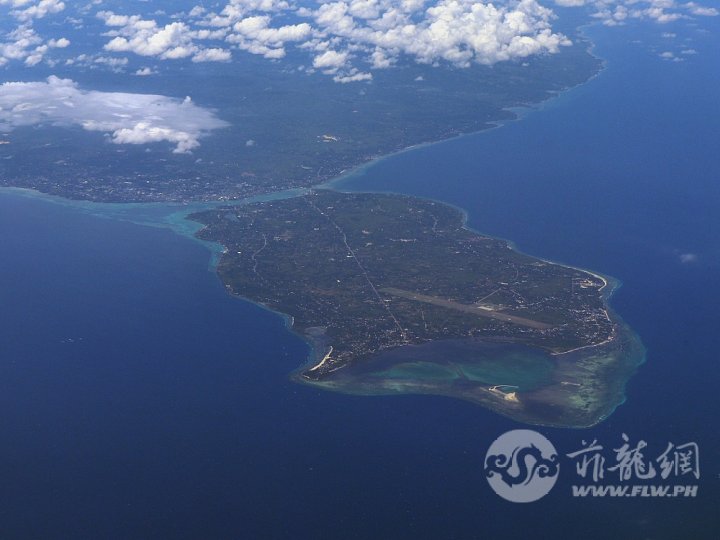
[(138, 400)]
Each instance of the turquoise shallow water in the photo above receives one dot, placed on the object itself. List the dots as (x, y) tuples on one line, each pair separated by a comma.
[(172, 216), (578, 389), (618, 176), (140, 400), (517, 368), (520, 367)]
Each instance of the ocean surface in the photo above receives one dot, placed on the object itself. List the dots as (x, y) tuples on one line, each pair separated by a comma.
[(139, 400)]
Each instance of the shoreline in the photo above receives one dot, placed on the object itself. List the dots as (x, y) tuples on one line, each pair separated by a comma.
[(178, 221), (174, 214), (517, 113), (318, 354), (614, 364)]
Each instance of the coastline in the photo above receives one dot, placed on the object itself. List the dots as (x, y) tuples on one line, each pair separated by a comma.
[(517, 112), (584, 390), (174, 215), (506, 115), (587, 385), (177, 221), (163, 215)]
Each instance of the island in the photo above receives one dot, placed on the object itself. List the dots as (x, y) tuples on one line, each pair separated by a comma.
[(396, 295)]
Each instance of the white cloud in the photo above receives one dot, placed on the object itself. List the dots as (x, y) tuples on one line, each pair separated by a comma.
[(353, 76), (255, 35), (116, 64), (126, 118), (59, 43), (460, 32), (330, 61), (23, 44), (670, 56), (688, 258), (145, 37), (702, 11), (345, 38), (212, 55), (615, 12), (25, 10), (144, 72)]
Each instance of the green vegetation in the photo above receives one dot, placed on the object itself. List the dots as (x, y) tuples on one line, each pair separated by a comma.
[(288, 129), (365, 275), (380, 271)]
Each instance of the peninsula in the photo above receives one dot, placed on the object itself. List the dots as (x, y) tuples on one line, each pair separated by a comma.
[(396, 295)]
